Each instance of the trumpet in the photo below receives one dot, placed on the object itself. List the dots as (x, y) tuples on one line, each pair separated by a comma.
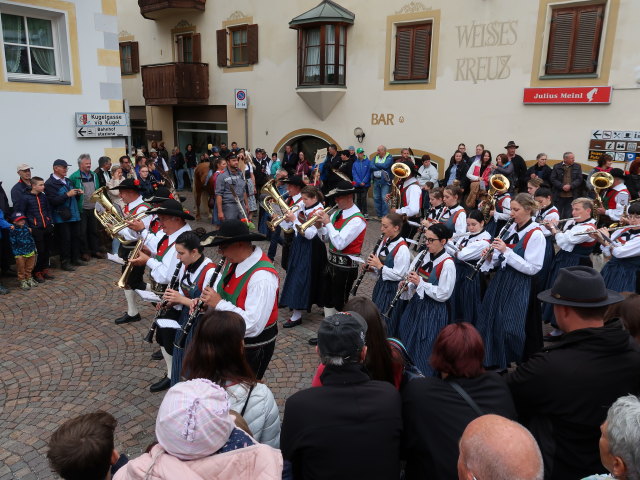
[(122, 281), (314, 218)]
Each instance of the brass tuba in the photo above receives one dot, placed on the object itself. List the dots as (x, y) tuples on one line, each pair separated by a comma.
[(600, 181), (400, 171), (498, 184), (275, 205), (110, 217)]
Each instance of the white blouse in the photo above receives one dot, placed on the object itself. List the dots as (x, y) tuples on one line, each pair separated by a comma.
[(401, 261), (413, 192), (470, 248), (569, 237), (533, 258), (548, 215), (631, 248), (446, 283)]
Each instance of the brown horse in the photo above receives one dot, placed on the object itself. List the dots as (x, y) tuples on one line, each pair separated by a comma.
[(199, 187)]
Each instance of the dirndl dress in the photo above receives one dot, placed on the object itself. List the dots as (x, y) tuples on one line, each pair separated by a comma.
[(383, 293), (302, 285), (621, 274), (467, 295), (549, 254), (178, 353)]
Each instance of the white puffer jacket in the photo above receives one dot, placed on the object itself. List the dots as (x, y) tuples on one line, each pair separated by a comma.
[(261, 414)]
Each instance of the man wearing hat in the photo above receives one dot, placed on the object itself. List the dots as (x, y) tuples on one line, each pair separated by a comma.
[(410, 200), (350, 426), (345, 231), (519, 165), (294, 185), (24, 184), (130, 191), (616, 198), (62, 197), (563, 392), (248, 286), (231, 192), (361, 171)]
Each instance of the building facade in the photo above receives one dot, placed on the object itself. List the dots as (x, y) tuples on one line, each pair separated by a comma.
[(58, 57), (552, 75)]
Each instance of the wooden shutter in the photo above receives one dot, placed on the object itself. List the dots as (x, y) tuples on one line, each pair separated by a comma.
[(221, 41), (252, 44), (196, 48), (413, 45), (135, 58), (403, 54), (180, 43), (574, 40)]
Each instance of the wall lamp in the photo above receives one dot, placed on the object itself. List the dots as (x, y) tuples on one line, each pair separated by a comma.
[(359, 133)]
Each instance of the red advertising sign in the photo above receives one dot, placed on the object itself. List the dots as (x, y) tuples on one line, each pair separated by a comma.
[(567, 95)]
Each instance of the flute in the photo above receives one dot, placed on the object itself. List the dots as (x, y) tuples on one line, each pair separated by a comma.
[(162, 310), (365, 268), (181, 337), (490, 250)]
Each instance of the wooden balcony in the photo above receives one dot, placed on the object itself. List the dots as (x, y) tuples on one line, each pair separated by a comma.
[(176, 84), (155, 9)]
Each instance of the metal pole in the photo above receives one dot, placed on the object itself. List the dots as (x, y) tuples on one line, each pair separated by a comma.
[(246, 128)]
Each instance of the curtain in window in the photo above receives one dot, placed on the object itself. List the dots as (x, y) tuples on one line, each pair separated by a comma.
[(312, 64), (41, 35), (13, 32), (330, 53)]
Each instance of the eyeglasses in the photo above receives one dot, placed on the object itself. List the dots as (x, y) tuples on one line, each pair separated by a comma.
[(431, 240)]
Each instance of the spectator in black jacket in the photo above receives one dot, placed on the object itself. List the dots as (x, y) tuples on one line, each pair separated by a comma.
[(457, 170), (103, 172), (435, 414), (632, 180), (35, 206), (566, 183), (540, 170), (23, 185), (191, 161), (289, 160), (519, 166)]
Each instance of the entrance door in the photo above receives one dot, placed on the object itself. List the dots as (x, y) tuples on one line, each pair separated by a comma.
[(307, 144), (200, 134)]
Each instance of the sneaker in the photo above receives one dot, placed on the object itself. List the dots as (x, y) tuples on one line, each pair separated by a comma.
[(32, 282), (25, 285), (115, 258)]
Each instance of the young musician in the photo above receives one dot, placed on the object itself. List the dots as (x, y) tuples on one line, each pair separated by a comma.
[(248, 285), (623, 246), (294, 186), (508, 317), (547, 214), (410, 200), (466, 251), (574, 249), (195, 273), (307, 262), (455, 217), (161, 258), (130, 192), (616, 198), (430, 284), (500, 215), (436, 199), (391, 263)]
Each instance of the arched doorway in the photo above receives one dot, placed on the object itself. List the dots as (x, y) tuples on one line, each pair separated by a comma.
[(308, 141)]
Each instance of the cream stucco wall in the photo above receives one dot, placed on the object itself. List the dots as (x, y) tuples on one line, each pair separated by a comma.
[(435, 120)]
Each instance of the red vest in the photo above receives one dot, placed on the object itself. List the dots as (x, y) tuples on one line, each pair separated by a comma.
[(611, 197), (355, 247), (403, 195), (236, 290)]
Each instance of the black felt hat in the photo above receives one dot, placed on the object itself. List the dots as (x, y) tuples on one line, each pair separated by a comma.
[(171, 208), (342, 188), (617, 173), (160, 194), (511, 143), (231, 231), (580, 287), (129, 184), (295, 180)]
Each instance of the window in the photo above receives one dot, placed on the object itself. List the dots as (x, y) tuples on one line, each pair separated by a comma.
[(188, 48), (32, 44), (412, 53), (242, 47), (129, 59), (574, 40), (322, 54)]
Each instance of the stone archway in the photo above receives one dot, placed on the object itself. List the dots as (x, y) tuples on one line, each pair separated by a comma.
[(307, 140)]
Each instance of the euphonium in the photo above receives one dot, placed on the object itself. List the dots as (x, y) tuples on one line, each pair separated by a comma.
[(272, 196), (498, 184), (303, 226), (400, 171), (600, 181), (111, 218)]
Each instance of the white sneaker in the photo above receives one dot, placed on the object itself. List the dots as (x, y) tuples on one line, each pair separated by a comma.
[(115, 258)]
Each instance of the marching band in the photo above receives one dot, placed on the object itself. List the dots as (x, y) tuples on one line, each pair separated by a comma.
[(484, 266)]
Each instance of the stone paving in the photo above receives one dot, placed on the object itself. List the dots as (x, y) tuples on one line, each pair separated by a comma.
[(62, 356)]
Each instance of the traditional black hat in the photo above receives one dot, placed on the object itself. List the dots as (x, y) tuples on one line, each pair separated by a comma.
[(295, 180), (171, 208), (511, 143), (617, 173), (129, 184), (231, 231), (160, 194), (342, 188), (579, 287)]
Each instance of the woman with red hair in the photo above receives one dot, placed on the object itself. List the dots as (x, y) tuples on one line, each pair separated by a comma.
[(436, 410)]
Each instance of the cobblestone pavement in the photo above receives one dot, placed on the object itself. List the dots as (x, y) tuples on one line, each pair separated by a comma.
[(62, 356)]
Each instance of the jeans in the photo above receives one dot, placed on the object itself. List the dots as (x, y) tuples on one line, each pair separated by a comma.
[(361, 199), (180, 179), (190, 172), (380, 191), (273, 245), (115, 245)]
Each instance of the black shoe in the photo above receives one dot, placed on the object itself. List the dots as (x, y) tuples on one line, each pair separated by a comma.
[(163, 384), (67, 267), (313, 341), (157, 355), (126, 318), (291, 324), (79, 263)]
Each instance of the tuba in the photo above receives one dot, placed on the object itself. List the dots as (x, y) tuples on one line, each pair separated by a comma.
[(400, 171), (498, 184), (110, 217), (600, 181), (274, 205)]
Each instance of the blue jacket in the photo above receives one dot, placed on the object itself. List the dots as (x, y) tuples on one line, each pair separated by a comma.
[(18, 190), (361, 172), (3, 223), (21, 241), (381, 164), (37, 210), (56, 191)]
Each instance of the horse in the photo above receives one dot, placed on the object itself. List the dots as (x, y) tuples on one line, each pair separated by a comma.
[(199, 187)]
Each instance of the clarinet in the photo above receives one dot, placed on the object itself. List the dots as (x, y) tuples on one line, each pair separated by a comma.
[(354, 290), (163, 306), (490, 250), (404, 287), (181, 337)]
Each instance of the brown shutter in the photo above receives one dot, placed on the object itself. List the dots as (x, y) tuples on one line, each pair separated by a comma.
[(403, 54), (221, 40), (420, 53), (135, 58), (252, 43), (197, 49), (587, 42)]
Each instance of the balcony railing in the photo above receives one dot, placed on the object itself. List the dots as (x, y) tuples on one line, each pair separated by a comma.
[(176, 84), (155, 9)]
